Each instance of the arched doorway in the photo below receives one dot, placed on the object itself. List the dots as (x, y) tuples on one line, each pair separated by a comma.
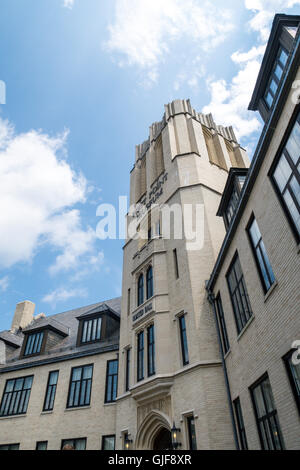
[(163, 440), (154, 432)]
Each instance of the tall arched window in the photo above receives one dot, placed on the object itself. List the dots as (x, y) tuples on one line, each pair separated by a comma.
[(149, 282), (141, 290)]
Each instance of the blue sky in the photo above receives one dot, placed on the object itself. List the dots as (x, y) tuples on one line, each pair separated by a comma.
[(84, 80)]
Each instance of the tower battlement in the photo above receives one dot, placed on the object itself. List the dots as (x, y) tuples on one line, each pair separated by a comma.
[(184, 107)]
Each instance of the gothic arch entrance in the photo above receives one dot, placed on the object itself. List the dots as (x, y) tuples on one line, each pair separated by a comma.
[(154, 432), (163, 440)]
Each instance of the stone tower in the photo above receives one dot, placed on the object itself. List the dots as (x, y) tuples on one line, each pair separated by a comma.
[(183, 164)]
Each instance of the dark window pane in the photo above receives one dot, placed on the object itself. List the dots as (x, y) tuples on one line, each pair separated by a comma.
[(184, 345), (191, 433), (16, 396), (80, 386), (111, 381), (108, 442)]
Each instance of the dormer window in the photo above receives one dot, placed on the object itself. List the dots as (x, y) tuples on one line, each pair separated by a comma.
[(276, 75), (34, 344), (232, 194), (91, 330), (97, 325)]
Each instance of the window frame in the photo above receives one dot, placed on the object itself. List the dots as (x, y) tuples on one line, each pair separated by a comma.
[(151, 350), (274, 77), (183, 340), (53, 386), (140, 291), (175, 258), (239, 419), (257, 262), (188, 420), (149, 283), (286, 359), (41, 345), (127, 369), (9, 445), (222, 324), (97, 319), (267, 417), (140, 356), (68, 406), (107, 437), (241, 281), (295, 117), (41, 442), (25, 399), (64, 441), (114, 376)]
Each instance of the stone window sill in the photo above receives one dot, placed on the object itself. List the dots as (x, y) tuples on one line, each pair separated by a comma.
[(245, 327), (12, 417), (273, 286), (78, 408), (46, 412)]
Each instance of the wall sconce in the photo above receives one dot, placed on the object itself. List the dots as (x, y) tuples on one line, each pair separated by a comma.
[(127, 443), (174, 434)]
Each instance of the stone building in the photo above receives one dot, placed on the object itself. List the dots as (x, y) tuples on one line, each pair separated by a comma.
[(255, 284), (201, 340)]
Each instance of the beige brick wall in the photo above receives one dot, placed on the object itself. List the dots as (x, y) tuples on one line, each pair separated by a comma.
[(276, 322)]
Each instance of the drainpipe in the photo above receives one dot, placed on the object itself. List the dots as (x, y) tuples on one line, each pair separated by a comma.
[(212, 300)]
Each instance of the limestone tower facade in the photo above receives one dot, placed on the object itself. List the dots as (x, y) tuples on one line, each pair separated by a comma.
[(170, 371)]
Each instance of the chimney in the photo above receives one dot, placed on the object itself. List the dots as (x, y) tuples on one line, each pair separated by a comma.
[(2, 352), (23, 315)]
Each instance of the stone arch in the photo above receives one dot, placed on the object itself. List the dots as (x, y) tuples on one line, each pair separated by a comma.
[(154, 422)]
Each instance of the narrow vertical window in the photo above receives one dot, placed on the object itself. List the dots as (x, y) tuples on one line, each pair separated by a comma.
[(111, 381), (183, 337), (140, 356), (176, 264), (51, 391), (190, 421), (240, 424), (141, 290), (261, 257), (221, 319), (127, 372), (151, 350), (128, 301), (266, 415), (293, 371), (80, 386), (239, 294), (149, 282)]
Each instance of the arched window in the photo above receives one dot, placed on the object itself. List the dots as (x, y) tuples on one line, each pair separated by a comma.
[(141, 290), (149, 282)]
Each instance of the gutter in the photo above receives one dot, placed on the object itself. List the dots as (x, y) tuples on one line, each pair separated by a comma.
[(212, 300)]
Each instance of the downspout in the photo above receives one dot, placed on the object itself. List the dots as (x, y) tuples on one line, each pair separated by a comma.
[(212, 300)]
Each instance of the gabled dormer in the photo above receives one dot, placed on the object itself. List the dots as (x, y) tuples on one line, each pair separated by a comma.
[(275, 64), (97, 325), (42, 335), (231, 194)]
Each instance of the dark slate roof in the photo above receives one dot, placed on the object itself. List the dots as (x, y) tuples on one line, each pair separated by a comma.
[(47, 322), (11, 339), (67, 348), (103, 308)]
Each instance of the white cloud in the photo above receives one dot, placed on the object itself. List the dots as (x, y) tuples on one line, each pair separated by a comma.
[(264, 11), (4, 282), (143, 30), (68, 4), (38, 191), (62, 294), (229, 101)]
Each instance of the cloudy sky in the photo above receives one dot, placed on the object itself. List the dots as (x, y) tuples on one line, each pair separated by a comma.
[(84, 80)]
